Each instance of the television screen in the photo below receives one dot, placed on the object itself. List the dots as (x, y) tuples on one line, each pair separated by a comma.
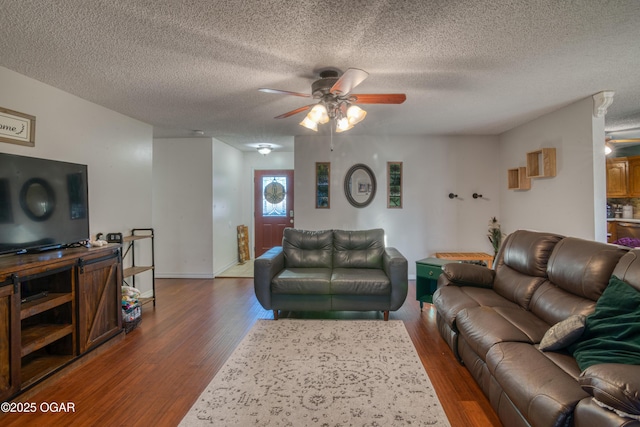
[(43, 204)]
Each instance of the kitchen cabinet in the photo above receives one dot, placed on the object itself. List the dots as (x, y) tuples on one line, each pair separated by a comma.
[(617, 177), (634, 176), (612, 231), (623, 177)]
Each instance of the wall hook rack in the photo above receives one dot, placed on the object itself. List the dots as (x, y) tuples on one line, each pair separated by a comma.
[(477, 196), (452, 196)]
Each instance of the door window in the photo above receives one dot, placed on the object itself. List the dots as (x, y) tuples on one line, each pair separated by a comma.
[(274, 196)]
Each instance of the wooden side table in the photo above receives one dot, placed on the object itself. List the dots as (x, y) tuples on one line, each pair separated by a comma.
[(466, 256), (427, 272)]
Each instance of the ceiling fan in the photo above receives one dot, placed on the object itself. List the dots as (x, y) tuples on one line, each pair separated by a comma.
[(335, 100)]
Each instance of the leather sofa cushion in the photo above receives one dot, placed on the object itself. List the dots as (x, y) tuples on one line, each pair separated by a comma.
[(359, 281), (450, 300), (483, 327), (302, 281), (528, 252), (515, 286), (542, 391), (583, 267), (358, 249), (628, 268), (589, 414), (304, 248), (614, 386), (553, 304)]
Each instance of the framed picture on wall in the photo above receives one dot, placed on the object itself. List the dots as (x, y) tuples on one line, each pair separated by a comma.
[(394, 185), (323, 190), (17, 128)]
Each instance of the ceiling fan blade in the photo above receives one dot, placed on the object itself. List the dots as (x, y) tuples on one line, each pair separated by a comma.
[(349, 80), (283, 92), (294, 112), (378, 98), (622, 141)]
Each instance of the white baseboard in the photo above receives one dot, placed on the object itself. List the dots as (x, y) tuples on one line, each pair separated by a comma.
[(183, 276)]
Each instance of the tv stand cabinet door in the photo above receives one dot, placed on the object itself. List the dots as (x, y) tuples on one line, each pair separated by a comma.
[(9, 352), (99, 300)]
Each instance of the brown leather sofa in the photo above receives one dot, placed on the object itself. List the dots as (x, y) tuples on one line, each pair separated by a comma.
[(494, 320)]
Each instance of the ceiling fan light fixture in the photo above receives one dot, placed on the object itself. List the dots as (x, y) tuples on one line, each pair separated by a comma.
[(319, 114), (264, 149), (342, 124), (309, 124), (355, 114)]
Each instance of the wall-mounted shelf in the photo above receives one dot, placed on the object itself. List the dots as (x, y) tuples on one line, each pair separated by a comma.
[(541, 163), (517, 179)]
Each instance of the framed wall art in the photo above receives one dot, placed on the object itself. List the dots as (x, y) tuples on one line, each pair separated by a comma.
[(394, 185), (323, 190), (17, 128)]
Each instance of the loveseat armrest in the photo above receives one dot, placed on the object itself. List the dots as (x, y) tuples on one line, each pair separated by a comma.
[(614, 385), (461, 274), (265, 267), (396, 268)]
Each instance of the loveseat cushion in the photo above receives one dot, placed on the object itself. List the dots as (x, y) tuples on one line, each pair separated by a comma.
[(359, 281), (358, 249), (302, 281), (310, 249)]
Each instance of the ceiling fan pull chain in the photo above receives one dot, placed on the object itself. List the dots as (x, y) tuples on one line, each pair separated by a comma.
[(331, 130)]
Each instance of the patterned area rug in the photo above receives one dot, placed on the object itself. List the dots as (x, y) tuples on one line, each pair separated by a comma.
[(293, 372)]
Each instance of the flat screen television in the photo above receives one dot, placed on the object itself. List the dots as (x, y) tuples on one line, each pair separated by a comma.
[(43, 204)]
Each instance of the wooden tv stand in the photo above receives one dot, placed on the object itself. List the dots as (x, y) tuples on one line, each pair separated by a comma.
[(55, 307)]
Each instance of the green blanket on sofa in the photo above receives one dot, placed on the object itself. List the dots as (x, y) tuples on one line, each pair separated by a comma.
[(612, 331)]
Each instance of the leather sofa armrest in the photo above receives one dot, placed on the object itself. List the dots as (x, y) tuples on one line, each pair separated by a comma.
[(460, 274), (396, 268), (615, 385), (265, 268)]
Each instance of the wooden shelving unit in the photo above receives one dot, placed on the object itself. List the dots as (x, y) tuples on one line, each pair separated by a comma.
[(541, 163), (517, 179), (48, 323), (140, 234)]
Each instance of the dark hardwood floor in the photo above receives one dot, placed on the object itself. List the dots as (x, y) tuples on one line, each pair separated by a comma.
[(157, 372)]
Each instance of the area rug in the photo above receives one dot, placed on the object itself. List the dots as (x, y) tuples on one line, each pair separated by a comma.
[(294, 372)]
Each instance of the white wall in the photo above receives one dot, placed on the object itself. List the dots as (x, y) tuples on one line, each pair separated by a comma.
[(572, 203), (227, 204), (433, 167), (182, 207), (116, 149)]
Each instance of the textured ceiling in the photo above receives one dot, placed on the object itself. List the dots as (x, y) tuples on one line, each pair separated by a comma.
[(467, 67)]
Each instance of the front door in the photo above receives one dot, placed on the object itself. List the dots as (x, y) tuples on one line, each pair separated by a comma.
[(273, 207)]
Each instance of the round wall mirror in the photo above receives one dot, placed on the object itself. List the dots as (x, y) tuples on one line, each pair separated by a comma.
[(37, 198), (360, 185)]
